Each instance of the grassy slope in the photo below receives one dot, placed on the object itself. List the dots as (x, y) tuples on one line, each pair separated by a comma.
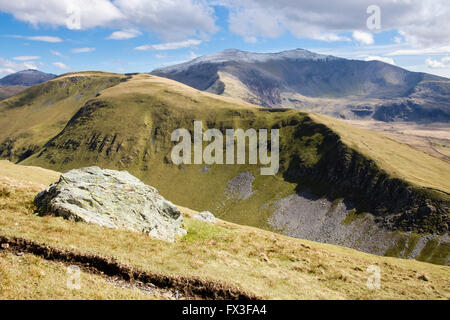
[(397, 159), (137, 97), (143, 111), (128, 127), (34, 116), (45, 279), (31, 278), (266, 264)]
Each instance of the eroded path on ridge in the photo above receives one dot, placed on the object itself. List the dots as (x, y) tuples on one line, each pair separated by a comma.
[(172, 287)]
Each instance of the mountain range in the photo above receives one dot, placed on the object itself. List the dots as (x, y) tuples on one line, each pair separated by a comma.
[(349, 89)]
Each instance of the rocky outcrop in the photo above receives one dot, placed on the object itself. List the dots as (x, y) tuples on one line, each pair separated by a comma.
[(240, 187), (113, 199), (306, 216)]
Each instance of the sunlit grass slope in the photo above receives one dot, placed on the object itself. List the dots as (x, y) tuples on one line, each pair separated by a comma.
[(397, 159), (29, 277), (32, 117), (266, 264)]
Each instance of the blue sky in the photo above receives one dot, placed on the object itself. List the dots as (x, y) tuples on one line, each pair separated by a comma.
[(141, 35)]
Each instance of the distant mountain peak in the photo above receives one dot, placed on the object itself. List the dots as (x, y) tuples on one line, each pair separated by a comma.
[(30, 71), (28, 77), (236, 55), (301, 79)]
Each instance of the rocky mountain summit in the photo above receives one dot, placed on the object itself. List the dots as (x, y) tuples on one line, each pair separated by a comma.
[(343, 88), (113, 199), (235, 55)]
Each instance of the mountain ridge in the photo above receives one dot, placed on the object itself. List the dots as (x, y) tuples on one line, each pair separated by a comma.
[(343, 88), (246, 56)]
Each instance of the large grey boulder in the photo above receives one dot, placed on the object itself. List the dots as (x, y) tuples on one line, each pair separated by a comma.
[(113, 199)]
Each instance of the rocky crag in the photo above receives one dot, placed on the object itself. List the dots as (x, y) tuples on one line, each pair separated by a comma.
[(113, 199)]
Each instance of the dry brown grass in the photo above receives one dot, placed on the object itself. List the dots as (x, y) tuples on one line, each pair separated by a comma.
[(433, 138), (29, 277), (149, 84), (397, 159), (260, 262)]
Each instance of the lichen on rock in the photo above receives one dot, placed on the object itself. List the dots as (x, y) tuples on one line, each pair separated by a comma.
[(113, 199)]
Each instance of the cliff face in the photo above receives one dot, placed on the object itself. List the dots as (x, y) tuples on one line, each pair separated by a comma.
[(342, 172)]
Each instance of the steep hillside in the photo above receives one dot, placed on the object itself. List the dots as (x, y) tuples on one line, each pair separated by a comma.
[(324, 84), (331, 187), (211, 257), (31, 118)]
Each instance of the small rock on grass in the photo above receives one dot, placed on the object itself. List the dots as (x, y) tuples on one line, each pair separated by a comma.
[(422, 277), (205, 216)]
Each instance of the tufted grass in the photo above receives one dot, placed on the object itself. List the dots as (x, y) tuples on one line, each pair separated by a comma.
[(261, 262)]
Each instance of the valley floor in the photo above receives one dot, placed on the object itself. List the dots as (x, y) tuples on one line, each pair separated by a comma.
[(432, 138), (255, 262)]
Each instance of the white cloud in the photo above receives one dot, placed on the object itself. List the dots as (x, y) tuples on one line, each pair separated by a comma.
[(398, 40), (26, 58), (61, 65), (45, 39), (420, 51), (39, 38), (438, 64), (57, 53), (124, 34), (170, 45), (89, 13), (251, 39), (382, 59), (173, 20), (82, 50), (363, 37), (420, 22), (7, 66)]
